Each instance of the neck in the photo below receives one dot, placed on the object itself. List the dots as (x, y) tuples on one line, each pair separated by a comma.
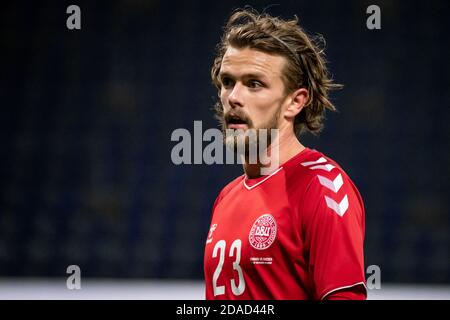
[(279, 152)]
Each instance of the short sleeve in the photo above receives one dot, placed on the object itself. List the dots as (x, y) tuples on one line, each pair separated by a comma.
[(333, 227)]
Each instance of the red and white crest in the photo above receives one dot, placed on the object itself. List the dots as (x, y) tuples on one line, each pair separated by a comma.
[(263, 232)]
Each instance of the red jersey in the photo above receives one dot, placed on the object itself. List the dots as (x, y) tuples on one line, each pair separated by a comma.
[(297, 233)]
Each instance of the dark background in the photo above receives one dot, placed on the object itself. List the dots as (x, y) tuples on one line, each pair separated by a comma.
[(86, 117)]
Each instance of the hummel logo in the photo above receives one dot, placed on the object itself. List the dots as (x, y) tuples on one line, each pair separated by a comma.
[(211, 230)]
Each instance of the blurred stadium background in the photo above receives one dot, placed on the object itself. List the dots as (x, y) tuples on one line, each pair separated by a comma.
[(86, 118)]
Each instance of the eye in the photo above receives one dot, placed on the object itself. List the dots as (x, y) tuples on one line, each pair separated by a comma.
[(255, 84), (226, 82)]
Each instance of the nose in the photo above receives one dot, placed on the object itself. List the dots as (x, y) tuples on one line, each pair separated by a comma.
[(235, 97)]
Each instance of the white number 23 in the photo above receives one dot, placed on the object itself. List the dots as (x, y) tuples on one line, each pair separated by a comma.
[(235, 249)]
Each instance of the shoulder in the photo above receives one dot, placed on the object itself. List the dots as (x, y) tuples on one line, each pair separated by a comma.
[(323, 181), (304, 170), (230, 186)]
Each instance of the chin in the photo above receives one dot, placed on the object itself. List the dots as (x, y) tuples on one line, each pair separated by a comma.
[(237, 144)]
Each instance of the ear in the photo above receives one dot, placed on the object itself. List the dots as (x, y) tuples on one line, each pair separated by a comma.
[(297, 101)]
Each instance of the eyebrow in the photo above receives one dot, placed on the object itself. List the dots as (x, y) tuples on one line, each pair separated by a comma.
[(246, 75)]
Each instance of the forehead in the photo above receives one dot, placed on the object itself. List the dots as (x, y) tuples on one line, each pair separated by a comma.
[(250, 61)]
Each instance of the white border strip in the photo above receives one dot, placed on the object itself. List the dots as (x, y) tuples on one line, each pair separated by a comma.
[(273, 173), (345, 287)]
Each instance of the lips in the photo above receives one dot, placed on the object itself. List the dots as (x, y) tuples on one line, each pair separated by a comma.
[(236, 122)]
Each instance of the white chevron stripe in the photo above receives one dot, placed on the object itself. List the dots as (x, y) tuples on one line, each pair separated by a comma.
[(310, 163), (326, 167), (334, 185), (339, 208)]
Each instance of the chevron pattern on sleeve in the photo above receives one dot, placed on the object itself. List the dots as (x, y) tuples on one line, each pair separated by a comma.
[(338, 205)]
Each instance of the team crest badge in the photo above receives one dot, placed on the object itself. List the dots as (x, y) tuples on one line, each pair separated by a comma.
[(263, 232)]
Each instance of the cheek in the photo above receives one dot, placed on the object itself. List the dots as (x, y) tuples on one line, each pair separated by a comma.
[(266, 112), (223, 95), (224, 99)]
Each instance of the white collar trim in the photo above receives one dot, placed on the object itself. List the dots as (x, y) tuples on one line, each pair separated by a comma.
[(257, 184)]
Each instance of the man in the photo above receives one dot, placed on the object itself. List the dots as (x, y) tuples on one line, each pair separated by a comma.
[(297, 232)]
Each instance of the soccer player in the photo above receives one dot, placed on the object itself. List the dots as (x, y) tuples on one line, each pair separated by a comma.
[(297, 232)]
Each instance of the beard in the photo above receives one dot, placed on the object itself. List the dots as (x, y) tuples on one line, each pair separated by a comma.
[(241, 141)]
